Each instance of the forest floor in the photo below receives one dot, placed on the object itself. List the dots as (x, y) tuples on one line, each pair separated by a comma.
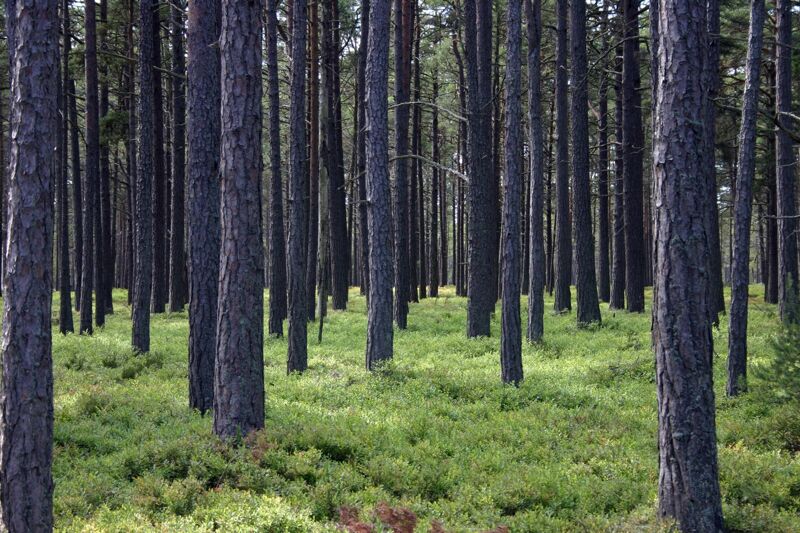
[(572, 449)]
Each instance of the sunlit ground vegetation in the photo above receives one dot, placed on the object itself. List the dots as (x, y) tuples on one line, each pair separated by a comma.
[(572, 449)]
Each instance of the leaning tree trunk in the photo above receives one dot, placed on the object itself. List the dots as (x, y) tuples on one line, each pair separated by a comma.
[(737, 328), (511, 335), (26, 414), (379, 211), (688, 488), (533, 9), (563, 263), (297, 360), (239, 369), (586, 282), (177, 262), (787, 240), (203, 196), (143, 251), (277, 240)]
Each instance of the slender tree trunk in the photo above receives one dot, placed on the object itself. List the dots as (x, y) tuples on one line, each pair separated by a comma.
[(77, 191), (617, 300), (511, 337), (160, 272), (131, 152), (604, 286), (362, 164), (688, 488), (203, 202), (106, 259), (586, 286), (239, 369), (297, 360), (177, 262), (379, 213), (563, 262), (785, 161), (313, 134), (435, 189), (737, 329), (414, 183), (533, 10), (65, 303)]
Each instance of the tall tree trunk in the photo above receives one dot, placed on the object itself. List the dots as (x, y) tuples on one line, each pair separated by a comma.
[(633, 148), (177, 262), (737, 329), (159, 173), (130, 146), (361, 140), (144, 200), (435, 189), (533, 10), (586, 282), (106, 258), (277, 240), (65, 303), (563, 262), (414, 183), (688, 488), (239, 370), (617, 300), (785, 194), (603, 281), (313, 134), (482, 229), (402, 66), (297, 359), (422, 251), (379, 213), (203, 70), (511, 336), (77, 190)]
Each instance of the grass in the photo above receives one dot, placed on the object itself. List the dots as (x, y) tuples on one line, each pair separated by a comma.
[(572, 449)]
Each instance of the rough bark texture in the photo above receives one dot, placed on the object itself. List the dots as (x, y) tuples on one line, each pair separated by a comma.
[(239, 370), (563, 263), (434, 210), (586, 281), (737, 328), (105, 256), (26, 393), (688, 488), (379, 211), (143, 251), (203, 197), (65, 297), (297, 360), (617, 300), (277, 239), (160, 272), (785, 194), (362, 163), (312, 136), (603, 275), (633, 150), (533, 9), (482, 229), (177, 261), (511, 334), (77, 190)]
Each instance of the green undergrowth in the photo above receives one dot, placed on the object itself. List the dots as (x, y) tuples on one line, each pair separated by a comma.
[(572, 449)]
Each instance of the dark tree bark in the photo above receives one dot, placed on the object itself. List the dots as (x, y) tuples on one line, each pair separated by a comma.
[(65, 303), (482, 229), (603, 281), (77, 190), (785, 194), (415, 182), (617, 300), (297, 360), (434, 211), (379, 212), (688, 488), (92, 177), (586, 282), (771, 289), (239, 370), (737, 329), (130, 147), (160, 272), (177, 262), (313, 133), (203, 196), (533, 10), (361, 140), (26, 415), (143, 250), (563, 262), (402, 86), (277, 240), (422, 251), (105, 258), (511, 336), (633, 148)]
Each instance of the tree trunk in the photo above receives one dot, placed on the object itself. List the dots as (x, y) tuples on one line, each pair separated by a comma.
[(617, 300), (239, 370), (104, 292), (26, 415), (361, 140), (603, 281), (312, 133), (737, 329), (435, 189), (533, 9), (415, 183), (563, 262), (177, 262), (586, 282), (77, 191), (65, 303), (785, 195), (511, 336), (379, 214), (203, 26), (688, 479), (297, 359), (158, 296)]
